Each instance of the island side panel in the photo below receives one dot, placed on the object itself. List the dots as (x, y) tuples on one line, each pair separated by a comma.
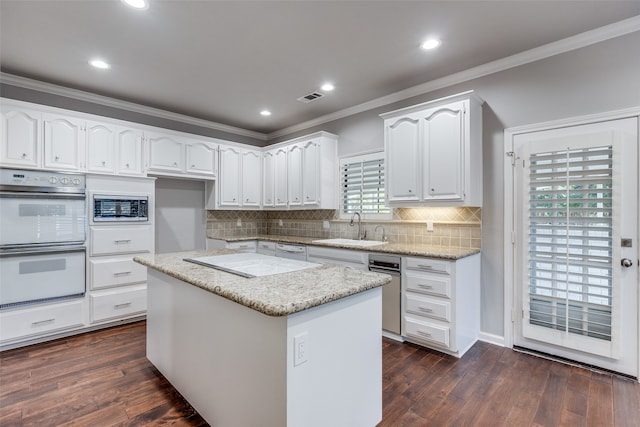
[(227, 360), (340, 383)]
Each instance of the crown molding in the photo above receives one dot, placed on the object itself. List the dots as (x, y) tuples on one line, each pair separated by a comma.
[(50, 88), (577, 41)]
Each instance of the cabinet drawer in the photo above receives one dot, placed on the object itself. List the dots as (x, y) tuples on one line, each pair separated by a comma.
[(41, 320), (267, 246), (107, 273), (245, 246), (427, 307), (121, 240), (118, 303), (430, 284), (426, 332), (429, 265)]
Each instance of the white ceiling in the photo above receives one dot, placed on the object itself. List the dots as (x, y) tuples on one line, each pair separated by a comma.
[(224, 61)]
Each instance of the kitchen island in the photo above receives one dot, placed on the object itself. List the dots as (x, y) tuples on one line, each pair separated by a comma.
[(292, 349)]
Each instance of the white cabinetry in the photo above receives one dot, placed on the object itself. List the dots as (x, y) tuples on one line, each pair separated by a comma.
[(64, 142), (201, 158), (21, 324), (441, 303), (166, 153), (280, 178), (239, 183), (116, 285), (268, 179), (101, 147), (294, 175), (175, 155), (433, 153), (345, 257), (130, 151), (21, 137), (242, 245)]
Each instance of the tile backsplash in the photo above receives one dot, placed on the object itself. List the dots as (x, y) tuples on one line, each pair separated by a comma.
[(451, 226)]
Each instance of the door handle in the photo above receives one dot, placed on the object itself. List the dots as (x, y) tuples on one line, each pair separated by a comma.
[(626, 262)]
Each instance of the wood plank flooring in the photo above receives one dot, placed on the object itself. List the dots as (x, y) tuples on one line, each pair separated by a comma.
[(104, 379)]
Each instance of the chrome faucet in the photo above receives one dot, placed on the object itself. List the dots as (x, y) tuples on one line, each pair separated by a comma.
[(361, 235), (384, 235)]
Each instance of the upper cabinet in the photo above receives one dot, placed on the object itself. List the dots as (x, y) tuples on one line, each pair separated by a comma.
[(21, 137), (433, 153), (130, 151), (201, 158), (64, 143), (166, 153), (239, 181), (173, 155), (101, 147)]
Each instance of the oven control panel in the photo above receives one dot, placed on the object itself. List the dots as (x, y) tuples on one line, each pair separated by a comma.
[(27, 180)]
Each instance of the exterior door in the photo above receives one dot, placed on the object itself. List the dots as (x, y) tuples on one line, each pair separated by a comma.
[(576, 243)]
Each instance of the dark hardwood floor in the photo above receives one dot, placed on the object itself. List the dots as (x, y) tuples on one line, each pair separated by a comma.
[(103, 379)]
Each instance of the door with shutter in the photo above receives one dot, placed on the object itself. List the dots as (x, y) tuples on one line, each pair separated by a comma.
[(576, 245)]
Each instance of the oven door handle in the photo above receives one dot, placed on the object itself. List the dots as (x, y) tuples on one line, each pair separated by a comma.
[(47, 250), (40, 195)]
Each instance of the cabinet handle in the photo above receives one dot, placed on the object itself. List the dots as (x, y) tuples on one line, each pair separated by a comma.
[(426, 334), (122, 273), (42, 322), (122, 305), (122, 241), (425, 286), (427, 267), (425, 309)]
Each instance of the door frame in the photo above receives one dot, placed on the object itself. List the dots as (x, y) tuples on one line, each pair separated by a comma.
[(509, 199)]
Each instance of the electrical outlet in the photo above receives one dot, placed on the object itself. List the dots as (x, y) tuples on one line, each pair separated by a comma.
[(429, 225), (280, 223), (300, 348), (326, 225), (239, 222)]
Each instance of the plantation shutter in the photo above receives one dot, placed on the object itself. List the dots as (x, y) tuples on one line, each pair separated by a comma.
[(570, 241), (363, 187)]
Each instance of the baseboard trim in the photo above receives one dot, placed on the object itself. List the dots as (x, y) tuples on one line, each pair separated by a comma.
[(491, 338)]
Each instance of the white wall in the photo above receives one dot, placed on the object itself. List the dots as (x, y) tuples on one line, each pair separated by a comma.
[(594, 79), (181, 220)]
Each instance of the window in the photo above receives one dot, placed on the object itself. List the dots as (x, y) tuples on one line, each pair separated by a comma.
[(362, 186)]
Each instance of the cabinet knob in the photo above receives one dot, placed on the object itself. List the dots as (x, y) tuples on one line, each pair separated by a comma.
[(234, 199), (104, 163), (57, 158), (247, 199), (193, 166), (433, 189), (175, 163), (127, 165), (410, 191), (24, 155)]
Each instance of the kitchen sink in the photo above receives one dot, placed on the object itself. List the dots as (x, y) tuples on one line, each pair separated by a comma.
[(350, 242)]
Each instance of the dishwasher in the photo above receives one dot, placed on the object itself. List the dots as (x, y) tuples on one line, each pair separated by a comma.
[(389, 264), (291, 251)]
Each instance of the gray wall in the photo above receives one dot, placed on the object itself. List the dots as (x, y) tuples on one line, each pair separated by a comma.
[(181, 221), (598, 78)]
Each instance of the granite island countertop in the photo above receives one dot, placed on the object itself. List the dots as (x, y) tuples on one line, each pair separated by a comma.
[(407, 249), (275, 295)]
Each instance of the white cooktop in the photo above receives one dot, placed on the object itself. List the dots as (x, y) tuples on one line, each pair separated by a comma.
[(252, 265)]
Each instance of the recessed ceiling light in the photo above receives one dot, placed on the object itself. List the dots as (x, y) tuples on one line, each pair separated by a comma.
[(99, 63), (137, 4), (265, 113), (431, 44), (327, 87)]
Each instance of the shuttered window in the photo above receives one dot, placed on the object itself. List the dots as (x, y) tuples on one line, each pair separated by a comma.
[(362, 183), (570, 241)]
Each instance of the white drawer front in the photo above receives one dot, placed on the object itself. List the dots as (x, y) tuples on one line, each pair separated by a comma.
[(429, 265), (118, 303), (430, 284), (106, 273), (40, 320), (267, 246), (246, 246), (421, 306), (121, 240), (427, 332)]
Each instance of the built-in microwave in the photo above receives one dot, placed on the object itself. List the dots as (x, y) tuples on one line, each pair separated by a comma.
[(120, 208)]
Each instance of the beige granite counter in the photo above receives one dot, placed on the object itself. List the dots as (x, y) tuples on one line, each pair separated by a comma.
[(276, 295), (444, 252)]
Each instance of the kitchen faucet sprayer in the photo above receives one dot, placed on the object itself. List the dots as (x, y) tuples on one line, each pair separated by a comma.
[(361, 234)]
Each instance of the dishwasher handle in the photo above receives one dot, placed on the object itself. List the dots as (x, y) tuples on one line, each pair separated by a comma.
[(391, 271)]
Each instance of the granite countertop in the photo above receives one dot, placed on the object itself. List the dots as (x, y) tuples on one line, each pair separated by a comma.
[(276, 295), (410, 249)]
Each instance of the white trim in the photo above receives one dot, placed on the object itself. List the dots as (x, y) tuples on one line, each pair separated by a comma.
[(577, 41), (509, 199), (491, 338), (53, 89)]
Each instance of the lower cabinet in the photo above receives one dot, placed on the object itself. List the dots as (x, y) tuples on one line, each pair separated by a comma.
[(118, 303), (40, 320), (441, 303)]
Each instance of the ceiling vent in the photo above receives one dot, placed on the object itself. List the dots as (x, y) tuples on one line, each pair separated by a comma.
[(311, 97)]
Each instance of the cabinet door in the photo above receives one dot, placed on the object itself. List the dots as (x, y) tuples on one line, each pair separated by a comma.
[(268, 179), (21, 137), (251, 176), (129, 144), (64, 143), (402, 148), (100, 148), (280, 183), (311, 173), (443, 154), (229, 177), (294, 181), (201, 158), (166, 153)]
